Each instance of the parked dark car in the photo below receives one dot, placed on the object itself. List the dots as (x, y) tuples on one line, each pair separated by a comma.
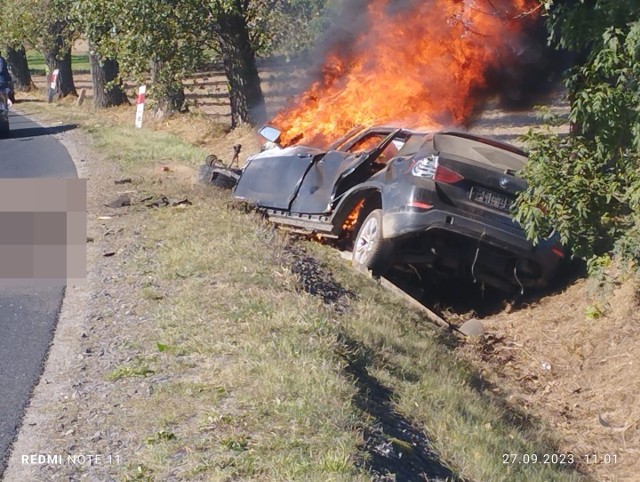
[(4, 115), (438, 202)]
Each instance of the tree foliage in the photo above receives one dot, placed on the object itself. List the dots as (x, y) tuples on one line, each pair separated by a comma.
[(587, 185), (173, 38), (288, 26), (168, 40), (45, 25), (161, 38), (20, 22)]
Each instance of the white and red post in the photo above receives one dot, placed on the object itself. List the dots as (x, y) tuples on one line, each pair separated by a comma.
[(140, 105), (53, 84)]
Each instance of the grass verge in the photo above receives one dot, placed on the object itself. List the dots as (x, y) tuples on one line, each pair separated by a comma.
[(252, 377)]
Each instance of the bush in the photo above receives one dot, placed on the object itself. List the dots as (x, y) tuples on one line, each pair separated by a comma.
[(586, 185)]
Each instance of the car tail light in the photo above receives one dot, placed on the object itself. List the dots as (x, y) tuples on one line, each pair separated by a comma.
[(446, 175), (429, 168)]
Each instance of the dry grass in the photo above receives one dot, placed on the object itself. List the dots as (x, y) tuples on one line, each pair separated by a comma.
[(249, 372), (253, 386), (570, 359)]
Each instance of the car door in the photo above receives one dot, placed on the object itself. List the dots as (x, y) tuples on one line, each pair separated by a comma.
[(272, 179), (365, 163), (314, 195), (317, 191)]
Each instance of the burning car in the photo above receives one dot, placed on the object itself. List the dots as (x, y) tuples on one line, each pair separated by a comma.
[(438, 201)]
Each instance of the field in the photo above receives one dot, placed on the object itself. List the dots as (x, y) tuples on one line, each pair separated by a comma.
[(38, 66)]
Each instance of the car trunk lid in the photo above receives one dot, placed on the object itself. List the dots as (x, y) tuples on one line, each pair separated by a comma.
[(478, 177)]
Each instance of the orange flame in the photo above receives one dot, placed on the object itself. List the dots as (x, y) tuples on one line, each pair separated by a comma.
[(352, 219), (418, 67)]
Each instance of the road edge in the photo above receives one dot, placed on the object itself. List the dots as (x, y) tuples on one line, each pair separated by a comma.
[(65, 348)]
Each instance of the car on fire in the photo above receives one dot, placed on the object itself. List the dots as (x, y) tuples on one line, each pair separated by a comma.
[(439, 202)]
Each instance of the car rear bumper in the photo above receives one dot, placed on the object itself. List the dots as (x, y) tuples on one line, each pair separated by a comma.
[(509, 239), (399, 224)]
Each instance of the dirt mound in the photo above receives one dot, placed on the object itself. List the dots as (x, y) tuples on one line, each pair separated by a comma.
[(571, 360)]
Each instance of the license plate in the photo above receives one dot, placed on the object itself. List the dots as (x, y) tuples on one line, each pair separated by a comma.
[(490, 198)]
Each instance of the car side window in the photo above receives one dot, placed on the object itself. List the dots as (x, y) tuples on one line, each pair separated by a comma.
[(390, 152), (366, 143)]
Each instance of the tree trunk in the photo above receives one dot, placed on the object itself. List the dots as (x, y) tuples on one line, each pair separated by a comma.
[(59, 57), (107, 88), (17, 60), (167, 92), (239, 60)]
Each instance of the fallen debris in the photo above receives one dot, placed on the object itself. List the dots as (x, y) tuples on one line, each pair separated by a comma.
[(237, 148), (472, 327), (317, 280), (218, 176), (121, 201), (164, 201)]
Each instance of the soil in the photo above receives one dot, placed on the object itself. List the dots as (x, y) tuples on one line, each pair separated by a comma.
[(576, 373)]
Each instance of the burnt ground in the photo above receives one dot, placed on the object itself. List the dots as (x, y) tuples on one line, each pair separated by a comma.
[(397, 450), (317, 280)]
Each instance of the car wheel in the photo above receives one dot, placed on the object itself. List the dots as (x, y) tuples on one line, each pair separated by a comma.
[(370, 249)]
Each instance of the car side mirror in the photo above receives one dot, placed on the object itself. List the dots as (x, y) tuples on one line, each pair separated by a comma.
[(270, 133)]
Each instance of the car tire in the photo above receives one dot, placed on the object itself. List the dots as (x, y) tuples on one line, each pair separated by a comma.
[(370, 249)]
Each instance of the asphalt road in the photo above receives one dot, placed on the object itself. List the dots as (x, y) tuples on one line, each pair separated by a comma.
[(27, 315)]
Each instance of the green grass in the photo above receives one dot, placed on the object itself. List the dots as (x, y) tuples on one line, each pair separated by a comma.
[(140, 367), (255, 374), (38, 66), (134, 148)]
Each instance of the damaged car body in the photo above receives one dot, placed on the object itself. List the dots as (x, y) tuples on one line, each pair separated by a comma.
[(438, 202)]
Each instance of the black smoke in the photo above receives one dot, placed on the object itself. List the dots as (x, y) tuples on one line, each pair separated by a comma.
[(532, 70)]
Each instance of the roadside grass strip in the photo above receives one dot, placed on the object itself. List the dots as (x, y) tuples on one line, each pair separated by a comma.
[(264, 379)]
